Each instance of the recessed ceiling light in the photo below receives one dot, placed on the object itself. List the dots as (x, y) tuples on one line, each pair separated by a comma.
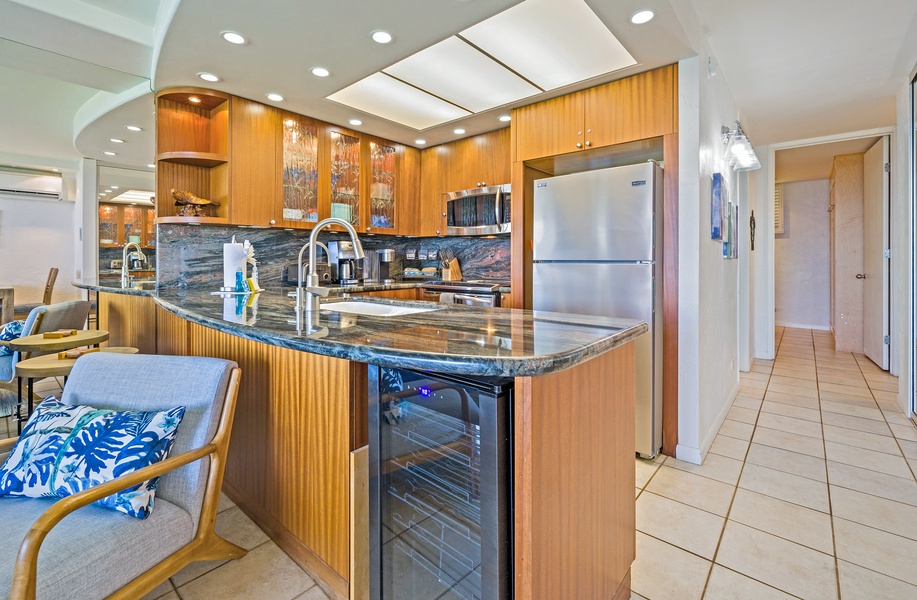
[(116, 187), (194, 99), (152, 166), (382, 37), (320, 72), (56, 170), (356, 122), (106, 153), (133, 128), (133, 204), (275, 97), (116, 140), (420, 142), (505, 118), (208, 76), (232, 37), (109, 191), (641, 17), (103, 194), (459, 131)]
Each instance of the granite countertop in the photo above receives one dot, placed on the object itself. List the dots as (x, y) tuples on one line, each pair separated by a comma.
[(452, 338)]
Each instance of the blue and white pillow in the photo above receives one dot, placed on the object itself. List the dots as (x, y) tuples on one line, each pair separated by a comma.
[(65, 449), (9, 332)]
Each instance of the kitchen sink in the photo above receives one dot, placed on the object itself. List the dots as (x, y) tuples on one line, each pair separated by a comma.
[(374, 309)]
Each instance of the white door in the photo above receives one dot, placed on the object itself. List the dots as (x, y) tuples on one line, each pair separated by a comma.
[(875, 245)]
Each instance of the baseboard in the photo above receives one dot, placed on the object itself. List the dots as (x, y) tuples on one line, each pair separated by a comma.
[(803, 326), (696, 455)]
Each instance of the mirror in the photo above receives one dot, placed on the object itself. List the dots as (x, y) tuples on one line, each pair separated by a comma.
[(127, 214)]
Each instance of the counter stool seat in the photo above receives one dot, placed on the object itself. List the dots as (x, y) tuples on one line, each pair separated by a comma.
[(49, 365)]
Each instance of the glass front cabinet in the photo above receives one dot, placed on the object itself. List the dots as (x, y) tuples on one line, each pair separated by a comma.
[(120, 224)]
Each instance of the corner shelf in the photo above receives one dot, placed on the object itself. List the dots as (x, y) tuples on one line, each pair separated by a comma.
[(196, 159), (189, 220)]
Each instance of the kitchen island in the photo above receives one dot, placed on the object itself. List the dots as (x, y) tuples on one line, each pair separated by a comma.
[(297, 461)]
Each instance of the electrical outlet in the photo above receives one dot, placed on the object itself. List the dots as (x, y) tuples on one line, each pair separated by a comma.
[(116, 264)]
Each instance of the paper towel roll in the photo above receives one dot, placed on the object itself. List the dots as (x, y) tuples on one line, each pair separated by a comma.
[(233, 260)]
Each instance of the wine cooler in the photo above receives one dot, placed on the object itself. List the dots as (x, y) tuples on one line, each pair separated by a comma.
[(440, 486)]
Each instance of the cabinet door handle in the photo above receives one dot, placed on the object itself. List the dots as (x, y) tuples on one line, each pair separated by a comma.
[(862, 276), (368, 228), (444, 214), (588, 143), (273, 222), (578, 145), (437, 232)]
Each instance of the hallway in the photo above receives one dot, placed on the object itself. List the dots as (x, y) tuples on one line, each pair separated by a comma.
[(808, 490)]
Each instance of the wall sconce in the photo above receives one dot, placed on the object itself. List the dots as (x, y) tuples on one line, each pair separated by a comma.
[(740, 156)]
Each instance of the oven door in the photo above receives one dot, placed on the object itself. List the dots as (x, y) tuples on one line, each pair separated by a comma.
[(477, 299)]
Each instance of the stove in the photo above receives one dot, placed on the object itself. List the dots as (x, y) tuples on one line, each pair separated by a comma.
[(477, 292)]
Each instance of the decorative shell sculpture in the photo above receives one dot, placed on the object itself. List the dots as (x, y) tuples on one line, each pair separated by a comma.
[(191, 205)]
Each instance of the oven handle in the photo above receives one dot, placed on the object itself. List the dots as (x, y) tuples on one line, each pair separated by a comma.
[(475, 300)]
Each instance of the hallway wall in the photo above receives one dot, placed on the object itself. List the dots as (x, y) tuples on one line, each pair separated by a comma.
[(801, 257)]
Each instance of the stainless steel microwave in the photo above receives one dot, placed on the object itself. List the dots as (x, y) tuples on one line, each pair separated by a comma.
[(480, 211)]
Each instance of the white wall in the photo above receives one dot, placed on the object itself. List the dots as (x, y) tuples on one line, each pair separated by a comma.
[(801, 257), (902, 265), (36, 235), (708, 284)]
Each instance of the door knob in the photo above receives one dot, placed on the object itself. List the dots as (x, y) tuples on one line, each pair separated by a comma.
[(861, 275)]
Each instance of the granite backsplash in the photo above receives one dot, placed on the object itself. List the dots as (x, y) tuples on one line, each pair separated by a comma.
[(192, 255)]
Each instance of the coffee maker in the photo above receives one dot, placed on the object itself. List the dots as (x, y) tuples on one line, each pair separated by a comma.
[(345, 268), (377, 266)]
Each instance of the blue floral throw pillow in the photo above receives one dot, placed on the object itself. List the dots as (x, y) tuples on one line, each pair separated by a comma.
[(9, 332), (65, 449)]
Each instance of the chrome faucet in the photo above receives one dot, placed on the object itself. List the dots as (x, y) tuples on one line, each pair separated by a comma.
[(308, 301), (125, 256), (299, 266)]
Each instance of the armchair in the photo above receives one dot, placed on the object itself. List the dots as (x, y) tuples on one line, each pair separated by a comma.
[(71, 548)]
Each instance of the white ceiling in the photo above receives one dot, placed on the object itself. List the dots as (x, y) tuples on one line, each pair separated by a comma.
[(796, 69), (808, 163)]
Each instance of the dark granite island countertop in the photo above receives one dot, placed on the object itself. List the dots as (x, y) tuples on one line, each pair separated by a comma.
[(449, 339)]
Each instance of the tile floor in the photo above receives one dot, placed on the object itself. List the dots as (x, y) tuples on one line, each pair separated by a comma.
[(808, 490)]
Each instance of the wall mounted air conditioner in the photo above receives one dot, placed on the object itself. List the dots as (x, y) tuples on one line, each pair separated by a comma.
[(34, 185)]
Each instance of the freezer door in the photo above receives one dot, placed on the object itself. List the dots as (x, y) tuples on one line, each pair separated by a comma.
[(614, 290), (606, 214)]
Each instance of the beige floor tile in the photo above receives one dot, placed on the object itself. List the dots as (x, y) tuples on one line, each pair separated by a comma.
[(891, 406), (833, 396), (807, 374), (645, 470), (265, 573), (729, 446), (788, 410), (726, 584), (790, 441), (735, 429), (884, 386), (855, 382), (879, 513), (664, 572), (810, 403), (896, 418), (868, 459), (700, 492), (886, 396), (751, 392), (686, 527), (759, 367), (852, 410), (162, 590), (909, 448), (753, 384), (790, 425), (877, 550), (225, 503), (861, 439), (873, 482), (788, 462), (808, 384), (753, 375), (856, 423), (785, 486), (313, 593), (780, 563), (743, 415), (170, 596), (839, 363), (857, 582), (904, 432), (882, 377), (747, 402), (846, 372), (792, 390), (790, 521), (721, 468)]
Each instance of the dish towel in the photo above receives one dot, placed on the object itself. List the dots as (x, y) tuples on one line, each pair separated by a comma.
[(447, 298)]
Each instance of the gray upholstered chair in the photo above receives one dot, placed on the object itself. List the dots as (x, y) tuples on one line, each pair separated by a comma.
[(64, 315), (73, 549)]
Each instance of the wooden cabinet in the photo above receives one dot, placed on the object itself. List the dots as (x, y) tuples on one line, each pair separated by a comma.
[(301, 138), (118, 223), (464, 164), (192, 151), (634, 108), (254, 182)]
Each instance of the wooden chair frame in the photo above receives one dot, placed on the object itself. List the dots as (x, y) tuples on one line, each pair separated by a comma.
[(206, 544)]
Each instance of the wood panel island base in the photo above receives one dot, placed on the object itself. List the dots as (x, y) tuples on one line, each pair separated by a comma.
[(297, 463)]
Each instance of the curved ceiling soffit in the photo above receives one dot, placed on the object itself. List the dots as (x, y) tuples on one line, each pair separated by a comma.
[(167, 10)]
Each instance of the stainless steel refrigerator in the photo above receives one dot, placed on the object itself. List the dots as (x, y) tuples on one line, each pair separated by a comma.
[(597, 250)]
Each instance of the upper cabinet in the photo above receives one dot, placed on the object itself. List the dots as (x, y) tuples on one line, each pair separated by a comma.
[(123, 223), (192, 152), (634, 108), (299, 171), (254, 163)]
